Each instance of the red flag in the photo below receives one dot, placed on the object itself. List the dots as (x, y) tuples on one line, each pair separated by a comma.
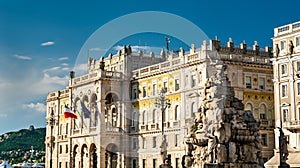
[(69, 114)]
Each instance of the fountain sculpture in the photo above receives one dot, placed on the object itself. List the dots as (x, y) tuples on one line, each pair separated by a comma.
[(223, 134)]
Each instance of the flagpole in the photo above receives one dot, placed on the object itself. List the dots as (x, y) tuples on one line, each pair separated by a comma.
[(72, 74)]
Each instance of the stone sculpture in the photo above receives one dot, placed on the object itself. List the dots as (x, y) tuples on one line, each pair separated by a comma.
[(223, 134)]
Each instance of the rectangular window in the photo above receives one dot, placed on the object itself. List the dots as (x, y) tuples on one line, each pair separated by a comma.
[(284, 90), (154, 163), (66, 164), (176, 140), (134, 93), (67, 149), (262, 83), (283, 45), (166, 86), (283, 69), (264, 139), (177, 164), (60, 149), (144, 91), (134, 163), (176, 84), (285, 115), (193, 80), (248, 82), (154, 89), (297, 41), (298, 66), (262, 116), (298, 88), (144, 163), (134, 144), (154, 142), (298, 113)]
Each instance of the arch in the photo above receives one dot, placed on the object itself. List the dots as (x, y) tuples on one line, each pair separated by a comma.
[(75, 160), (249, 107), (94, 110), (84, 156), (154, 116), (111, 98), (111, 156), (144, 117), (77, 109), (67, 128), (176, 113), (193, 106), (93, 156), (263, 111), (134, 118), (111, 106)]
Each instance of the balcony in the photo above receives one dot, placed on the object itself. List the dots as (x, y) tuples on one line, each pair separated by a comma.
[(144, 128), (176, 124), (167, 124), (154, 126), (292, 125)]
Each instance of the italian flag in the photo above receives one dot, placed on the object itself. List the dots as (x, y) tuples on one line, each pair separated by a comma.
[(69, 114)]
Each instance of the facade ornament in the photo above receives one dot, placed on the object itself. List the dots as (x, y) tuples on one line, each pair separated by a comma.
[(277, 50), (291, 47)]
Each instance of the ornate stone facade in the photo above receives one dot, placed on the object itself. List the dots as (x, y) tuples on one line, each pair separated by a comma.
[(119, 124), (286, 68)]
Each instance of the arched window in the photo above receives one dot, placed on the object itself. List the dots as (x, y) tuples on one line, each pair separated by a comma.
[(154, 116), (249, 107), (133, 119), (114, 117), (193, 107), (263, 112), (176, 113), (67, 128), (93, 110), (144, 119), (106, 116)]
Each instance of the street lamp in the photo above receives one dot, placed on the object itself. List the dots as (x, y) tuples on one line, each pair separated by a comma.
[(163, 103), (51, 122)]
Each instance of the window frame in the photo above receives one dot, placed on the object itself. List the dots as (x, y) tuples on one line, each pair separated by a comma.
[(248, 85), (284, 90)]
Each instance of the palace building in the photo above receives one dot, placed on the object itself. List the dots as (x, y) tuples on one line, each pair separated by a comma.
[(286, 68), (119, 121)]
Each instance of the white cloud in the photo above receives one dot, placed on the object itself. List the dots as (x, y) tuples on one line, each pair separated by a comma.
[(80, 69), (97, 49), (65, 64), (3, 115), (5, 84), (48, 43), (51, 69), (40, 107), (65, 69), (23, 57), (63, 58), (47, 79)]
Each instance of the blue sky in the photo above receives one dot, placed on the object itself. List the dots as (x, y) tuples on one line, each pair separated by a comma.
[(40, 40)]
